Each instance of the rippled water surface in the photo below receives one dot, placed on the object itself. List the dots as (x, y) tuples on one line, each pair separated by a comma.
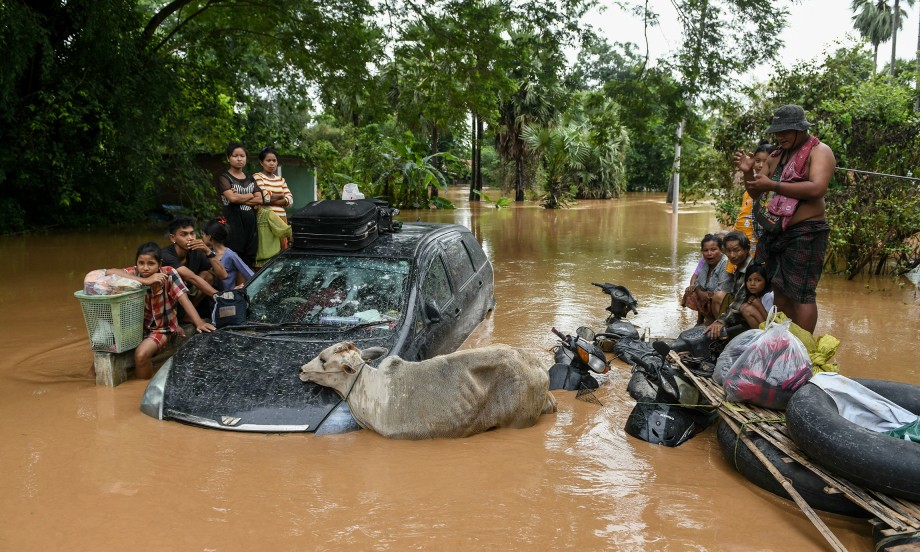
[(82, 469)]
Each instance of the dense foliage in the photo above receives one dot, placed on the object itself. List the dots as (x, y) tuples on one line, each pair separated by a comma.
[(105, 117), (869, 122)]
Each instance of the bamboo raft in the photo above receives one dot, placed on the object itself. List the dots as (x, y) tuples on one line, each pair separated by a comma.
[(893, 516)]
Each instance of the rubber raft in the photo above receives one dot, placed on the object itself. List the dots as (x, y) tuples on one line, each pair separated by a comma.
[(811, 487), (873, 460)]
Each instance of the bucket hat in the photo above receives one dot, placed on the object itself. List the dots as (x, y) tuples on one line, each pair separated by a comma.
[(788, 117)]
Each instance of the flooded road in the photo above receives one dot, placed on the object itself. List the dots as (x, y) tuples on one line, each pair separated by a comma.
[(81, 468)]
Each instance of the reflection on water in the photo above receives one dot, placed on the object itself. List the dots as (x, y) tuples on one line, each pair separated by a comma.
[(82, 466)]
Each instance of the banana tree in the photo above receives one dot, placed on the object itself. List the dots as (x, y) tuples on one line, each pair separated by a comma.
[(411, 174)]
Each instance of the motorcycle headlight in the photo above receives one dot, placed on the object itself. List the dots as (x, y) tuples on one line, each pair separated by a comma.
[(597, 365)]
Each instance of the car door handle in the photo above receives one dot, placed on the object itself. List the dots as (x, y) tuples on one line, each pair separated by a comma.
[(480, 283), (457, 310)]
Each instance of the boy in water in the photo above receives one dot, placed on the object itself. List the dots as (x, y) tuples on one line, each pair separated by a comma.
[(160, 321)]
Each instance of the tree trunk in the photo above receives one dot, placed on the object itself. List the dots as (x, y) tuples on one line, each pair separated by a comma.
[(479, 129), (917, 101), (896, 18), (875, 58), (473, 160), (519, 179), (433, 188)]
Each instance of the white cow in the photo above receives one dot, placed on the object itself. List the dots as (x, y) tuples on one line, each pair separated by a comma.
[(454, 395)]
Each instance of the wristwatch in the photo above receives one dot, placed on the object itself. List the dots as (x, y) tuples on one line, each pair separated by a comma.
[(212, 254)]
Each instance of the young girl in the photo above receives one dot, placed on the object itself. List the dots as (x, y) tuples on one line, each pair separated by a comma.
[(215, 235), (759, 297), (241, 196), (166, 289)]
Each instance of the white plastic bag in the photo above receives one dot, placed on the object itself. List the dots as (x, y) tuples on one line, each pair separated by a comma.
[(350, 191), (735, 348), (773, 367), (97, 283), (103, 334)]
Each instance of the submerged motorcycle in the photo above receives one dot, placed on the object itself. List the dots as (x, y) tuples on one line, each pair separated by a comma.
[(669, 418), (621, 302), (665, 399), (576, 357)]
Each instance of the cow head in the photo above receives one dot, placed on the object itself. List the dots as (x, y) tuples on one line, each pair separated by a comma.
[(338, 365)]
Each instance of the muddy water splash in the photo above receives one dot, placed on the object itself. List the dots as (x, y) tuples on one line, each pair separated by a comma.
[(82, 469)]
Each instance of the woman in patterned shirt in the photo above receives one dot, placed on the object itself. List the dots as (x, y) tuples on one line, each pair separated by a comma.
[(272, 183)]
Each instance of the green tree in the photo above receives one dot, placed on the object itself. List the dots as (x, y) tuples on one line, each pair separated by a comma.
[(563, 151), (604, 173), (538, 100), (873, 20), (110, 111)]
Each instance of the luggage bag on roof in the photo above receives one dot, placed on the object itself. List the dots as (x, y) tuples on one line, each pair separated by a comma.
[(385, 214), (345, 225)]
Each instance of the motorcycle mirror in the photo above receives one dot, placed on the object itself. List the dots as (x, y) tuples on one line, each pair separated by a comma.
[(668, 384), (585, 333), (661, 348)]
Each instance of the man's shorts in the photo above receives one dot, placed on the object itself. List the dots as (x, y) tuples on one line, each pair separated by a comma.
[(795, 259)]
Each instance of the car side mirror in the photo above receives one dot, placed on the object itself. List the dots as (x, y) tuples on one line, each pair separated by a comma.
[(432, 312)]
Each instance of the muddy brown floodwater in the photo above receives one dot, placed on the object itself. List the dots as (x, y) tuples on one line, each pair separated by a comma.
[(81, 468)]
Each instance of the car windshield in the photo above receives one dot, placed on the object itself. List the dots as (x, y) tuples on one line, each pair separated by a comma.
[(329, 290)]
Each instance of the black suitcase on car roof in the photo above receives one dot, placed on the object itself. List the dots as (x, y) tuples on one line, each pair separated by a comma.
[(345, 225)]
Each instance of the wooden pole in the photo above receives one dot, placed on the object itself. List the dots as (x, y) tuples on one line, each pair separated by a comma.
[(806, 509), (675, 174)]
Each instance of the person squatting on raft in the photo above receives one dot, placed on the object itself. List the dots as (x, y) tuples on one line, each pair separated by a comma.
[(759, 297), (710, 278), (737, 248), (160, 320), (789, 208)]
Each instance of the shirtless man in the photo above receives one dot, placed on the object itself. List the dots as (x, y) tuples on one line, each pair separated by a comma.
[(801, 168)]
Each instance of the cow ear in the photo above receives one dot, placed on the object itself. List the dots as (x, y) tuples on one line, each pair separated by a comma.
[(373, 353), (348, 369)]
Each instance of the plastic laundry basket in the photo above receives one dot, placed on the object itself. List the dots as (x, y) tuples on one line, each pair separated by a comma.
[(115, 322)]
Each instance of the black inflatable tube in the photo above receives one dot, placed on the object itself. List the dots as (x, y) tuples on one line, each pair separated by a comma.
[(870, 459), (901, 542), (809, 485)]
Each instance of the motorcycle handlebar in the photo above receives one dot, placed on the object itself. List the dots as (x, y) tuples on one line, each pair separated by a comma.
[(558, 334)]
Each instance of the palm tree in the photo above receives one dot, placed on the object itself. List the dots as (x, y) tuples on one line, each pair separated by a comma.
[(899, 15), (873, 20), (563, 151)]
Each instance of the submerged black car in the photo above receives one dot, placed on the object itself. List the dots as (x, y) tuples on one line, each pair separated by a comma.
[(418, 292)]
